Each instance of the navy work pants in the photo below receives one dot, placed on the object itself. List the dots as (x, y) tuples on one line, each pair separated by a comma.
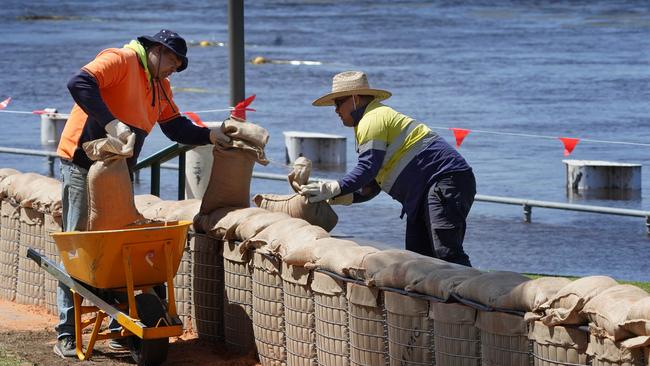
[(438, 228)]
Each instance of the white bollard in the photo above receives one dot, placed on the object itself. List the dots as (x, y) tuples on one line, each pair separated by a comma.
[(322, 149), (198, 166), (52, 124), (602, 175)]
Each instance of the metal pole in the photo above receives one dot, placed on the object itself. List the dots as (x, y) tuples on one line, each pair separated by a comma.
[(155, 179), (528, 210), (236, 49), (181, 176)]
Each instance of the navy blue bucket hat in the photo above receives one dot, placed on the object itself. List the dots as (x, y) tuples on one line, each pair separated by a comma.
[(172, 41)]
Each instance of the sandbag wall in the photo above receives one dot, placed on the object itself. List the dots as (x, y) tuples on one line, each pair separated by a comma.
[(310, 299), (274, 284), (30, 210)]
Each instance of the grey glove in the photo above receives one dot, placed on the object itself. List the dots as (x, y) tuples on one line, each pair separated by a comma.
[(217, 135), (119, 130)]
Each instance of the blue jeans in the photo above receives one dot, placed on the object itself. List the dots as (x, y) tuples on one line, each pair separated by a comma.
[(75, 218)]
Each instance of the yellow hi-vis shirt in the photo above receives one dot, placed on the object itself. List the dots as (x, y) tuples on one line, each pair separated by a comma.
[(401, 137)]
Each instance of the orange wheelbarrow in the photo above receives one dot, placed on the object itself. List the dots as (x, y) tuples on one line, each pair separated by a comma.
[(133, 261)]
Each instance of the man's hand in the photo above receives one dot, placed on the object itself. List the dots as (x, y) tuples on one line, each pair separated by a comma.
[(217, 135), (345, 200), (320, 191), (119, 130)]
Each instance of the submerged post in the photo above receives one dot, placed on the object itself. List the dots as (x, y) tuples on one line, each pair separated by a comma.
[(236, 49)]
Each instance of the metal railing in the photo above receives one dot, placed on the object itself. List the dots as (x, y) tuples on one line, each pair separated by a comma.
[(155, 162)]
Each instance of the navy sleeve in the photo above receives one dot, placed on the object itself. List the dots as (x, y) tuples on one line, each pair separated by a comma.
[(366, 193), (366, 170), (85, 91), (182, 130)]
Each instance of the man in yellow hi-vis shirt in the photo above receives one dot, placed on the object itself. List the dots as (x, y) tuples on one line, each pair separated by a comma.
[(404, 158)]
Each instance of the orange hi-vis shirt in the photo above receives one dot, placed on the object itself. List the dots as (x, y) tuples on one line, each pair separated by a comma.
[(127, 93)]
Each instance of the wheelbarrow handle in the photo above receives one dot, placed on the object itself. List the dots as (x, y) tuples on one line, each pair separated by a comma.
[(34, 255)]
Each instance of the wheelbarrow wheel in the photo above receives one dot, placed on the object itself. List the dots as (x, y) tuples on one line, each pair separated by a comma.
[(149, 352)]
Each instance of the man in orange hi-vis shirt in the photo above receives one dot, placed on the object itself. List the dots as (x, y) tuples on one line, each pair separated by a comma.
[(122, 93)]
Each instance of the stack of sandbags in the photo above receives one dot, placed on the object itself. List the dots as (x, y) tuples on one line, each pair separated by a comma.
[(30, 288), (606, 352), (295, 205), (232, 167), (331, 320), (207, 288), (442, 283), (268, 310), (565, 307), (367, 326), (223, 220), (183, 285), (378, 261), (456, 338), (299, 315), (238, 301), (410, 330), (40, 200), (504, 340), (614, 339), (9, 239), (53, 224), (503, 336), (402, 274), (487, 288), (558, 345), (552, 345)]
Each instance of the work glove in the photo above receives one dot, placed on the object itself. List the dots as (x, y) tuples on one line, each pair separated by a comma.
[(217, 135), (119, 130), (344, 200), (320, 191)]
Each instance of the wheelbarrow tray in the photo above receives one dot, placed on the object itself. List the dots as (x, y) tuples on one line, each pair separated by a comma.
[(98, 258)]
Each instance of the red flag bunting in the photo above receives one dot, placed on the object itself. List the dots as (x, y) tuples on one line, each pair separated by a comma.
[(240, 109), (195, 118), (569, 144), (5, 103), (459, 134)]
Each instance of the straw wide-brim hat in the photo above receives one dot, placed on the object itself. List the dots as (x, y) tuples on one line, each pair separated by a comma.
[(350, 83)]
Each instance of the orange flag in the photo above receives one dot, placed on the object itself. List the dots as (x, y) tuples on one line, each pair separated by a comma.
[(195, 118), (569, 144), (241, 108), (459, 134), (5, 103)]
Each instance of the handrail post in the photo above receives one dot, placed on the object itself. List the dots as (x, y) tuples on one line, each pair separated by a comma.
[(528, 210), (50, 163), (647, 225), (181, 176), (155, 179)]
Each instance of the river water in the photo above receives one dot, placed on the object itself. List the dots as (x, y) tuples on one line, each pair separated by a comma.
[(538, 68)]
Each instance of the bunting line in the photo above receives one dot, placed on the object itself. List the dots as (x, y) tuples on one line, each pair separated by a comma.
[(546, 136)]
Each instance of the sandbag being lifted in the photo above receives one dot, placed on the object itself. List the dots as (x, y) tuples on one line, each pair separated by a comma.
[(232, 166), (296, 205)]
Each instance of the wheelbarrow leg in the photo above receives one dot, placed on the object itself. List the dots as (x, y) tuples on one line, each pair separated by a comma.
[(130, 290), (171, 300), (79, 325)]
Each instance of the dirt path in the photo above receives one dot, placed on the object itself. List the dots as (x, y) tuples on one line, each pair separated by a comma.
[(26, 333)]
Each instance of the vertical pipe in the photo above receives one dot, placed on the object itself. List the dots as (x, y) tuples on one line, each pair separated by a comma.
[(528, 210), (236, 49), (181, 176), (50, 163), (155, 179)]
